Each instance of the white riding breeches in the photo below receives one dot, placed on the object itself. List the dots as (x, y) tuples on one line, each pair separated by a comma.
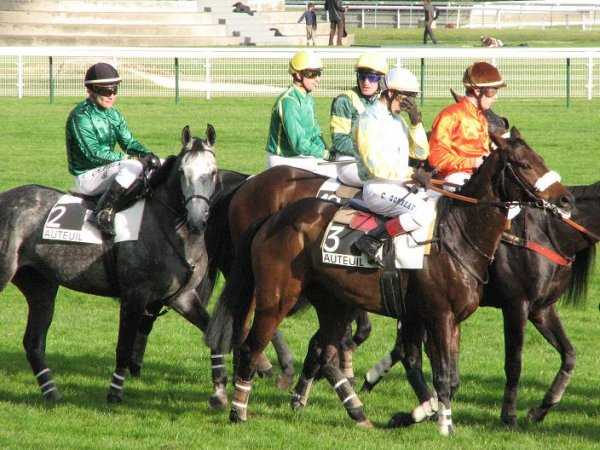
[(95, 181), (392, 199), (310, 163), (348, 173)]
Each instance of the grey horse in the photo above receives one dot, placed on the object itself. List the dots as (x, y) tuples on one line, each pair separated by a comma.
[(165, 263)]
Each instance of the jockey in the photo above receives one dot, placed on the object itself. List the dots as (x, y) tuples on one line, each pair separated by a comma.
[(295, 138), (385, 143), (459, 137), (93, 129), (346, 107)]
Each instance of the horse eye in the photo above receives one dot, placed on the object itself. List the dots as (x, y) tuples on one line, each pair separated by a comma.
[(526, 166)]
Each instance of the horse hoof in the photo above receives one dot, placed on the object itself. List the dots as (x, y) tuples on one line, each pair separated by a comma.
[(367, 387), (447, 430), (114, 397), (509, 421), (135, 370), (536, 415), (53, 395), (365, 424), (297, 405), (401, 420), (268, 373), (284, 382), (217, 401), (234, 417)]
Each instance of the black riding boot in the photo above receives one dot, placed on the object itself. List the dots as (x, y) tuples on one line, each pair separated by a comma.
[(370, 242), (103, 216)]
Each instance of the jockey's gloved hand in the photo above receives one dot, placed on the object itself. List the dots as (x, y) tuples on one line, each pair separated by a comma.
[(329, 155), (151, 161), (409, 104), (423, 178)]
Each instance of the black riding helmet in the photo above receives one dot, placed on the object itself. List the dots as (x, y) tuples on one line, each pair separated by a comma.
[(102, 73)]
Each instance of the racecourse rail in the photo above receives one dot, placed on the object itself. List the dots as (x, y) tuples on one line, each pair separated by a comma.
[(225, 72)]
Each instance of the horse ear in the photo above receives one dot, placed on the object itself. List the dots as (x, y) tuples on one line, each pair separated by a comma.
[(515, 133), (186, 135), (211, 134), (499, 140), (457, 97)]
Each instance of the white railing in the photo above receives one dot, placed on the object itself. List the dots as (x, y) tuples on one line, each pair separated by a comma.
[(585, 15), (210, 72)]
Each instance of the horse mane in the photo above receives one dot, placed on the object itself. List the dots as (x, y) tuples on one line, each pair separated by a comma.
[(591, 191), (161, 174)]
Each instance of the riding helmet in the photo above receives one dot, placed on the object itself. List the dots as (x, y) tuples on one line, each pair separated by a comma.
[(102, 73), (371, 62), (303, 60), (401, 80), (482, 74)]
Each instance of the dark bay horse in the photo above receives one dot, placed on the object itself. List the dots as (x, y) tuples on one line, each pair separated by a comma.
[(280, 261), (165, 263), (526, 284)]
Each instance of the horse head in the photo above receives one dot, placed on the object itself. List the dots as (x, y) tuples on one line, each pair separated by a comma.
[(528, 173), (198, 171)]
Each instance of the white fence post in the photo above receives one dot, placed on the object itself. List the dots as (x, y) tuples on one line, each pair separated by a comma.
[(20, 82)]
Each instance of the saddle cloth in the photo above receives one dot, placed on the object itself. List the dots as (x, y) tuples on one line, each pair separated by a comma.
[(337, 192), (348, 224), (68, 222)]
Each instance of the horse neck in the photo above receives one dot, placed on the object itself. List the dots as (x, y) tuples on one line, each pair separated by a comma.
[(482, 224), (587, 214), (166, 192)]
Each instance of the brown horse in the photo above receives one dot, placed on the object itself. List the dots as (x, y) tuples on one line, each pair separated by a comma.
[(280, 261), (525, 282)]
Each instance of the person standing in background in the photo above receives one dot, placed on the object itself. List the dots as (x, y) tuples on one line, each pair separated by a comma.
[(336, 9), (431, 14), (310, 16)]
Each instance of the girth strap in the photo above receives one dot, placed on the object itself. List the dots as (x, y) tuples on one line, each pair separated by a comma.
[(392, 300), (535, 247)]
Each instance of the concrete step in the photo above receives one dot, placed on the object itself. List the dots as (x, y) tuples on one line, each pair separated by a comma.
[(93, 18), (117, 41), (112, 29), (133, 6)]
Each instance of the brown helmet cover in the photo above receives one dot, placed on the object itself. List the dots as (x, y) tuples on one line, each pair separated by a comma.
[(482, 74)]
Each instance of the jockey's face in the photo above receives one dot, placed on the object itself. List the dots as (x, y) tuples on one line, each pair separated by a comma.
[(309, 79), (368, 83), (104, 98), (487, 97)]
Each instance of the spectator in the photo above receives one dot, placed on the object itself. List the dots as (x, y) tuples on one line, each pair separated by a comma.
[(310, 16), (336, 9), (431, 14)]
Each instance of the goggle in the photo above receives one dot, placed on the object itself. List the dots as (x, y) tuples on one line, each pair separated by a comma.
[(489, 92), (371, 77), (312, 73), (401, 95), (105, 91)]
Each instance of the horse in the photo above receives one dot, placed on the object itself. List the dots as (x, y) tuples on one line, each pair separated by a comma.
[(539, 261), (239, 201), (166, 263), (280, 260)]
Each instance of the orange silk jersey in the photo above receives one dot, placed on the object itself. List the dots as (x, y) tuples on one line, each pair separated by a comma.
[(459, 136)]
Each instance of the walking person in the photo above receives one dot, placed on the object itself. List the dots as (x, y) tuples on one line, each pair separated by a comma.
[(336, 10), (310, 16), (431, 14)]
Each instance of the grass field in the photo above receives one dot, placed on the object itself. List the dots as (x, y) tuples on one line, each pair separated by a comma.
[(167, 407)]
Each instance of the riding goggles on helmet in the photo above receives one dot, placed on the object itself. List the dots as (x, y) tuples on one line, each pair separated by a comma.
[(105, 91), (371, 77), (310, 73)]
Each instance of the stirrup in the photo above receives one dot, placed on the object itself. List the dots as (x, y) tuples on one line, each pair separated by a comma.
[(369, 246), (104, 221)]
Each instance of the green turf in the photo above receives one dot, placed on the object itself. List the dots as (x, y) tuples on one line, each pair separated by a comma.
[(167, 408)]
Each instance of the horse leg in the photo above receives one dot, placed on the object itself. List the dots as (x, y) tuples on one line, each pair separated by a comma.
[(40, 294), (334, 319), (443, 340), (263, 328), (309, 371), (188, 305), (129, 321), (376, 373), (286, 361), (141, 340), (409, 340), (549, 325), (515, 319)]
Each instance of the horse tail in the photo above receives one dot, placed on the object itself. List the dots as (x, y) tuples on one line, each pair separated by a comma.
[(217, 236), (576, 293), (229, 316)]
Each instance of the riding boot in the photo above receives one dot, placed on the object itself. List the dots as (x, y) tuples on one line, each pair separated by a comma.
[(370, 242), (103, 217)]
